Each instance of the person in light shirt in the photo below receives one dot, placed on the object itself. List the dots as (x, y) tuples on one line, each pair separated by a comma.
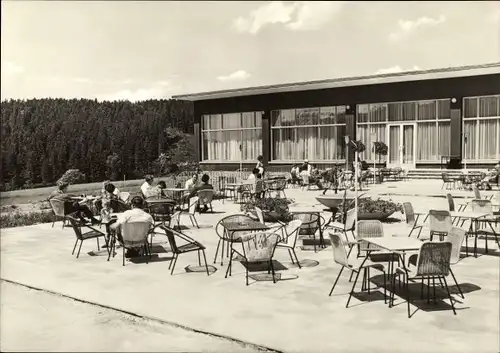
[(191, 183), (136, 214), (147, 187), (253, 175)]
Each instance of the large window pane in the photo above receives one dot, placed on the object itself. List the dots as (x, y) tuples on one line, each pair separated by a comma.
[(285, 117), (251, 144), (363, 113), (378, 113), (426, 110), (284, 144), (369, 134), (231, 121), (405, 111), (470, 108), (426, 142), (251, 119), (488, 137), (444, 109), (488, 106), (212, 122), (327, 115), (307, 141), (308, 116), (470, 144), (330, 142), (444, 139)]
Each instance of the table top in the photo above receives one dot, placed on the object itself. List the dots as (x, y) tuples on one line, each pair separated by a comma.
[(394, 244), (245, 182), (151, 200), (469, 215), (247, 225), (176, 189), (305, 209)]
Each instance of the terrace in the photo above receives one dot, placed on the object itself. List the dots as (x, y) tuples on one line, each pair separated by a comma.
[(295, 314)]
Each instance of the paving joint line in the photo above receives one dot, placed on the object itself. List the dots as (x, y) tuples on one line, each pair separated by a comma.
[(164, 322)]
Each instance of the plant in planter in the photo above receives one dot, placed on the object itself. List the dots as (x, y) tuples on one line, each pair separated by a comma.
[(358, 146), (369, 208), (273, 208), (380, 149)]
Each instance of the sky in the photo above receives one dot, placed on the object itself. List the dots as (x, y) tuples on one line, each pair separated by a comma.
[(116, 50)]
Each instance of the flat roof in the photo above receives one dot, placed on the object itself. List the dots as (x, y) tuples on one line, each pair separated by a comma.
[(441, 73)]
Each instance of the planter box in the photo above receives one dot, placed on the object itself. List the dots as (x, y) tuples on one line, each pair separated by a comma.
[(379, 216)]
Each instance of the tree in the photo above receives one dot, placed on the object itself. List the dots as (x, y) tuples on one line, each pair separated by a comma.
[(380, 149), (113, 166)]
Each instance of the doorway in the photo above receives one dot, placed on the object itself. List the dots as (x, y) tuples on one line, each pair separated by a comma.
[(402, 145)]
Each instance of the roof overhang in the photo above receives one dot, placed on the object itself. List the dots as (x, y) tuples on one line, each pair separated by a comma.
[(420, 75)]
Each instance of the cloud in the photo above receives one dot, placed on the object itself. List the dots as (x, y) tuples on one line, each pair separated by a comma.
[(396, 69), (407, 27), (158, 90), (237, 75), (10, 68), (296, 16)]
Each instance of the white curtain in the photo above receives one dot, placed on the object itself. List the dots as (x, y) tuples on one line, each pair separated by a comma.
[(426, 142), (365, 135)]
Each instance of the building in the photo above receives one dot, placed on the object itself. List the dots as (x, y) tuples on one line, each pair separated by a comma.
[(424, 117)]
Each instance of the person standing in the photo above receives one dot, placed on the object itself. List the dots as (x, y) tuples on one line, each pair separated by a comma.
[(260, 165)]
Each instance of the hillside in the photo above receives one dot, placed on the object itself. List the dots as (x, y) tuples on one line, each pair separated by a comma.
[(42, 138)]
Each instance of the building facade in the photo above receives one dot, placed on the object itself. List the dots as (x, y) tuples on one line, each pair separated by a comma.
[(424, 117)]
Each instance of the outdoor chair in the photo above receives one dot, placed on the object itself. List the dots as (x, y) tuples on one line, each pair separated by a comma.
[(58, 209), (456, 237), (411, 220), (447, 181), (477, 194), (257, 248), (226, 189), (432, 262), (292, 231), (440, 223), (485, 226), (347, 227), (226, 237), (341, 257), (252, 191), (280, 225), (118, 206), (205, 198), (162, 214), (190, 211), (452, 206), (81, 235), (311, 223), (190, 246), (134, 235), (124, 196), (278, 186)]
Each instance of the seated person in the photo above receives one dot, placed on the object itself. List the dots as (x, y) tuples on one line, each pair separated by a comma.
[(253, 175), (305, 168), (492, 177), (161, 186), (111, 192), (71, 206), (203, 186), (191, 183), (147, 185), (136, 214)]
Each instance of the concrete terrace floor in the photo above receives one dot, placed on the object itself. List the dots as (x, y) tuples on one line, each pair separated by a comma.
[(293, 315)]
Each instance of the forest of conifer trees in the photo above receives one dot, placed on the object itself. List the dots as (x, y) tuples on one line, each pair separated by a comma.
[(42, 138)]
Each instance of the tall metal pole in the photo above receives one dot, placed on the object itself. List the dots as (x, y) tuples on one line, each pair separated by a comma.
[(241, 155), (356, 187), (374, 136), (465, 149)]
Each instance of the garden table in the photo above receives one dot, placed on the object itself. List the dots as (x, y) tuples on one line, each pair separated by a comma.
[(474, 218), (177, 193), (396, 245), (242, 184), (244, 226), (311, 210)]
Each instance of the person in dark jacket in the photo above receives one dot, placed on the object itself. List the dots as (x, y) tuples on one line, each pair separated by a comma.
[(203, 186), (72, 206)]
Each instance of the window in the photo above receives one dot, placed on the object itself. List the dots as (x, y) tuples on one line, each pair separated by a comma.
[(232, 137), (433, 126), (309, 133), (481, 139)]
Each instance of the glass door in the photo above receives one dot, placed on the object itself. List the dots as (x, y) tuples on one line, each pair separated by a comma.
[(401, 139)]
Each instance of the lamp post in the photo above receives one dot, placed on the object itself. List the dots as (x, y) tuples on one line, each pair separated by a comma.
[(347, 141), (241, 157), (374, 137)]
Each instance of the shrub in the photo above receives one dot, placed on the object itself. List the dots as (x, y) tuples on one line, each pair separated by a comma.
[(18, 219), (276, 205), (368, 205)]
